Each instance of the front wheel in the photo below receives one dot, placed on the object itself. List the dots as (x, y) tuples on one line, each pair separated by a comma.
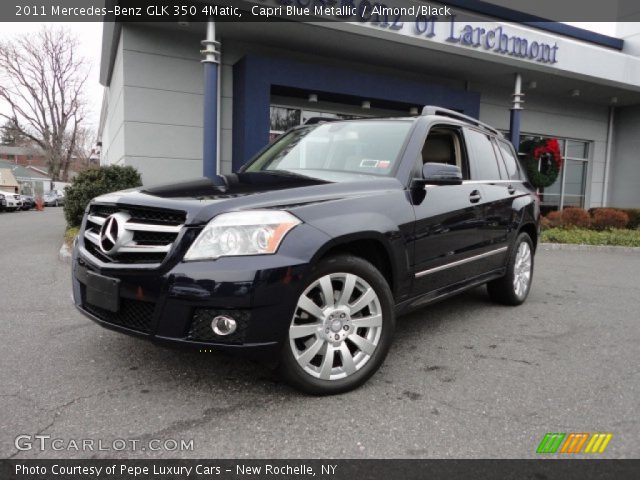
[(513, 288), (341, 328)]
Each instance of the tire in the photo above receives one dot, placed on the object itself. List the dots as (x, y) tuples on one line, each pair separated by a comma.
[(507, 290), (358, 347)]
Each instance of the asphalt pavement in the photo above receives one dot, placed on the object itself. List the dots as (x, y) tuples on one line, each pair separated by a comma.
[(464, 379)]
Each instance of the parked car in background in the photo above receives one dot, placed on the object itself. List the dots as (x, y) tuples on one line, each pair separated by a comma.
[(309, 252), (28, 202), (3, 203), (53, 198), (12, 201)]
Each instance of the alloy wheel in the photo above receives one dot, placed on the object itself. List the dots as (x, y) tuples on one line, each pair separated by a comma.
[(336, 327), (522, 270)]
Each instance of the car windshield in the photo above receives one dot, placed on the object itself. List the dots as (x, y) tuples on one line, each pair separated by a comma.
[(342, 151)]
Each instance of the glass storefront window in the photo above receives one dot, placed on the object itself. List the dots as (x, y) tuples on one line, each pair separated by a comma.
[(575, 178), (282, 119), (576, 149), (569, 189), (550, 196), (307, 114)]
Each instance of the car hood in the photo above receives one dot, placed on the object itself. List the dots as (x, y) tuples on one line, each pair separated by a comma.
[(201, 199)]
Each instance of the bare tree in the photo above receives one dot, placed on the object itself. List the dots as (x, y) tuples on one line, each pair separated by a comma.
[(84, 147), (42, 82)]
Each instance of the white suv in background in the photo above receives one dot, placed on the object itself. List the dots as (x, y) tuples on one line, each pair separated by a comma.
[(12, 201)]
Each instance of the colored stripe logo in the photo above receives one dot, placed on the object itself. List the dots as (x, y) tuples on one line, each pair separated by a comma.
[(574, 443), (598, 443), (550, 443)]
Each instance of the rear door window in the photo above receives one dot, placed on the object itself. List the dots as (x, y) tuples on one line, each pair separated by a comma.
[(510, 160), (501, 167), (483, 161)]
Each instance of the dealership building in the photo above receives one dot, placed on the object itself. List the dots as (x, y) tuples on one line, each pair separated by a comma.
[(162, 108)]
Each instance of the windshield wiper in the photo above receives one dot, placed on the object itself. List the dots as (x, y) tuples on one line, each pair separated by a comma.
[(288, 173)]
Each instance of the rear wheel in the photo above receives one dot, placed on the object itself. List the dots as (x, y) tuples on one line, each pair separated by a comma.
[(513, 288), (341, 329)]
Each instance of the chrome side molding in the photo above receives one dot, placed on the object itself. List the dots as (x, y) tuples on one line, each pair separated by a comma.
[(460, 262)]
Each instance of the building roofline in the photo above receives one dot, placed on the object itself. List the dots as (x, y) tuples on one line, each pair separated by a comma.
[(111, 30), (510, 15), (37, 170), (22, 171), (110, 40)]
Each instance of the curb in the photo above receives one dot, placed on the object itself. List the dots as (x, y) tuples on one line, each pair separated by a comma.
[(588, 248), (64, 255)]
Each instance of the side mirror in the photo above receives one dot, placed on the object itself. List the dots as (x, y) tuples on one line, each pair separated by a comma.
[(441, 174)]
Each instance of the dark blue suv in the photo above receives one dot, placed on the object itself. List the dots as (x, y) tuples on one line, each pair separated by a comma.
[(313, 248)]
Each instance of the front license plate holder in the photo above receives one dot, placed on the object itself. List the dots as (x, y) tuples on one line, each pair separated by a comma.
[(101, 291)]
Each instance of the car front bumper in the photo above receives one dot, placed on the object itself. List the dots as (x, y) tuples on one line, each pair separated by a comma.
[(176, 305)]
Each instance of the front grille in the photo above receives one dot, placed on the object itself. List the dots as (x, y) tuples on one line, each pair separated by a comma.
[(133, 314), (150, 233), (125, 258), (142, 214), (153, 238), (200, 329)]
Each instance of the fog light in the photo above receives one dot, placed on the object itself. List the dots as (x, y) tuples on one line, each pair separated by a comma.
[(222, 325)]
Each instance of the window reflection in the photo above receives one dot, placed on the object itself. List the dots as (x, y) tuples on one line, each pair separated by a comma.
[(282, 119)]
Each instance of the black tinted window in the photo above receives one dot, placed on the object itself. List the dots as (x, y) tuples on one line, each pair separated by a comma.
[(510, 161), (501, 167), (484, 165)]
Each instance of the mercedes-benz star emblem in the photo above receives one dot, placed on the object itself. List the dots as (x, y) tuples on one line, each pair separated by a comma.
[(113, 235)]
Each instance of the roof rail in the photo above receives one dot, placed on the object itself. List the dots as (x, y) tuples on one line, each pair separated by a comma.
[(445, 112)]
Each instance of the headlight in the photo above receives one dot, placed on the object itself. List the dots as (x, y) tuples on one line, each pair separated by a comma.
[(252, 232)]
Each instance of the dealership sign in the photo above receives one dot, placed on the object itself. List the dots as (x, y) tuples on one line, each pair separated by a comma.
[(499, 41), (426, 21)]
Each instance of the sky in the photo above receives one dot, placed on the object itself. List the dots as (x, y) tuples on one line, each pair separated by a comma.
[(90, 34)]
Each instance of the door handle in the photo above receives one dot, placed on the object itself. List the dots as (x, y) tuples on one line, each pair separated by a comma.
[(474, 197), (511, 190)]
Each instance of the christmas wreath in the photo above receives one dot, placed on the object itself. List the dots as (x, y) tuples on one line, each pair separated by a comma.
[(542, 160)]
